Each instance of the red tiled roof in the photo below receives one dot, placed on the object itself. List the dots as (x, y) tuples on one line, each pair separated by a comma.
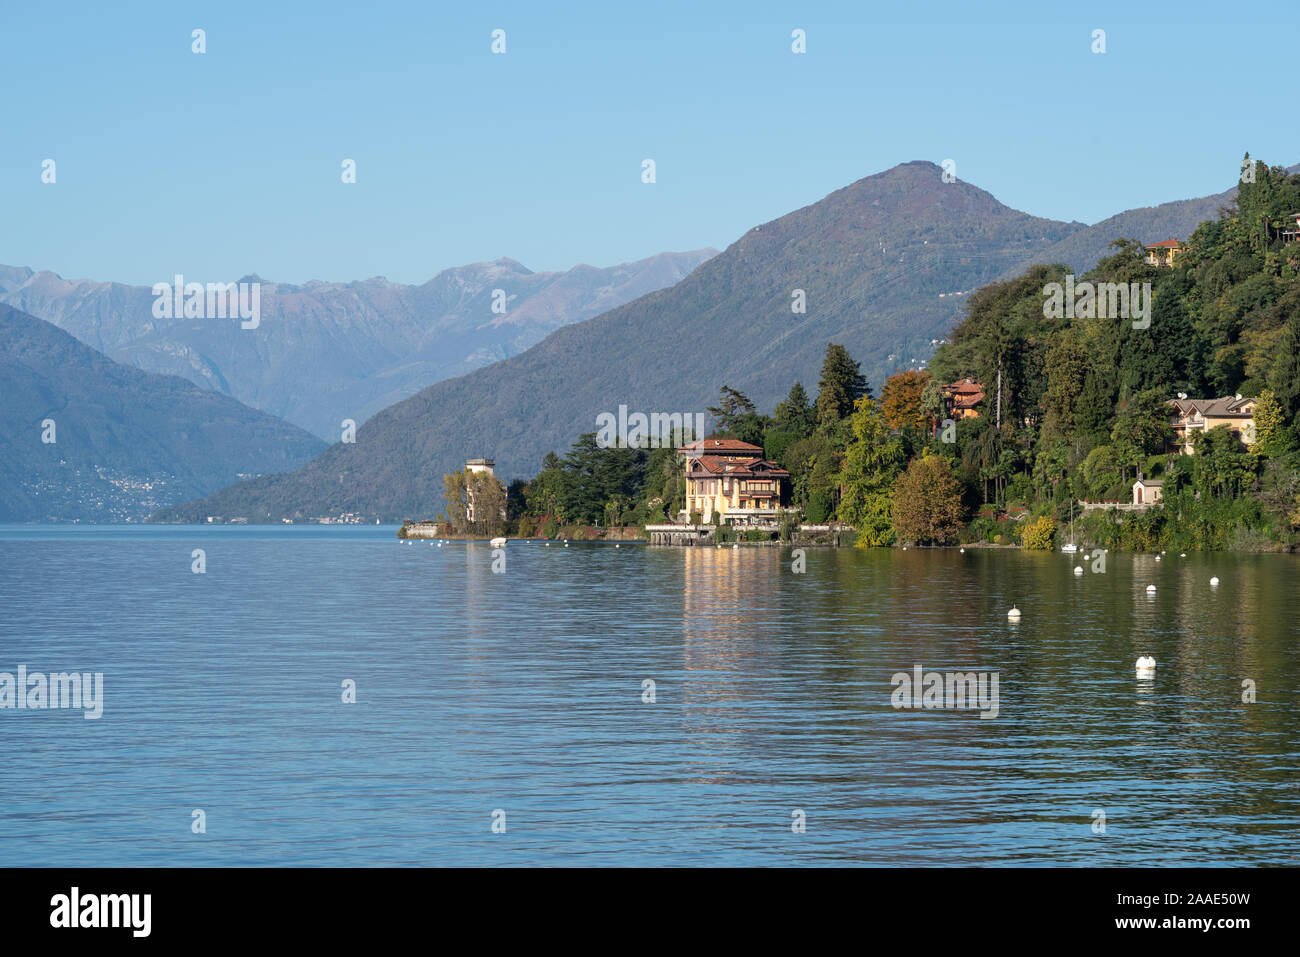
[(720, 445), (1165, 244), (748, 468)]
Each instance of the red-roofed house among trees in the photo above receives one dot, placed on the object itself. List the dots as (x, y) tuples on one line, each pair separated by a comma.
[(731, 481), (1164, 252), (961, 399)]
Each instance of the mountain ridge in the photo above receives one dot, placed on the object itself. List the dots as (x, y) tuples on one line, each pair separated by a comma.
[(325, 351)]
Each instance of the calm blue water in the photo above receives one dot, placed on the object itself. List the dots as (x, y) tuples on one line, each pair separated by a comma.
[(522, 692)]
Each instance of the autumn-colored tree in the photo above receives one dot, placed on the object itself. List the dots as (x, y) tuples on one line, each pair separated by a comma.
[(1038, 534), (927, 502), (901, 400)]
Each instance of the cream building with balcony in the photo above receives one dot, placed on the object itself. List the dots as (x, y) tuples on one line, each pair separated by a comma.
[(1200, 415), (731, 481)]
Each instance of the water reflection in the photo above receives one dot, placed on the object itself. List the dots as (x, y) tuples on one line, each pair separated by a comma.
[(523, 691)]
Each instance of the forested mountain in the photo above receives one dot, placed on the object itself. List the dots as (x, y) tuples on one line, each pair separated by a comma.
[(90, 439)]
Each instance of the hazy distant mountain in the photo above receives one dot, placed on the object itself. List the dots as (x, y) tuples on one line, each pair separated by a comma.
[(883, 264), (324, 352), (125, 442)]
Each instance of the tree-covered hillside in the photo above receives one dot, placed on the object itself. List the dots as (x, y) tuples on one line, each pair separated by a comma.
[(1083, 399)]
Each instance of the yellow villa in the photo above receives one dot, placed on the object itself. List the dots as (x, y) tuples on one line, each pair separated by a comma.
[(1201, 415), (1164, 252), (731, 481)]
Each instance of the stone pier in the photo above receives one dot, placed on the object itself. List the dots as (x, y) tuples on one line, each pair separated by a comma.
[(680, 534)]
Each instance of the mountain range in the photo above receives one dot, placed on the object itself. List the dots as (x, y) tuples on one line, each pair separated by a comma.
[(882, 266), (327, 351), (90, 439)]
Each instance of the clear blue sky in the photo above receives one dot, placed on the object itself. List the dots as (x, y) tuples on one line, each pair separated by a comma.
[(228, 163)]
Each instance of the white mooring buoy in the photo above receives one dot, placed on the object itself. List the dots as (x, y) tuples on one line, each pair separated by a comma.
[(1214, 582), (1078, 569), (1014, 614), (1145, 666), (1151, 589)]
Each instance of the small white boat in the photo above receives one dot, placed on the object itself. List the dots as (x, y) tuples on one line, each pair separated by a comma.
[(1070, 546), (498, 543)]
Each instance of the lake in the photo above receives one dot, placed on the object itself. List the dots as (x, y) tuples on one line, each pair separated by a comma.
[(771, 738)]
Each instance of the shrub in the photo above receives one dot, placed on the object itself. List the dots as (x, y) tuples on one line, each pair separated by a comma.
[(1039, 533), (981, 530), (819, 508)]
